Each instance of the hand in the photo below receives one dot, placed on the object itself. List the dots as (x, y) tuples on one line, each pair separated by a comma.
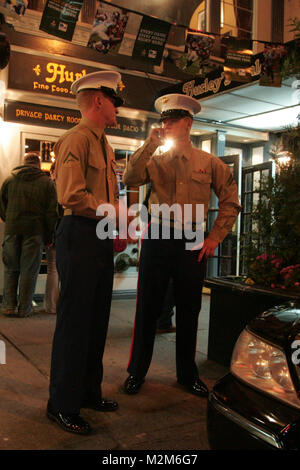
[(208, 248), (157, 136)]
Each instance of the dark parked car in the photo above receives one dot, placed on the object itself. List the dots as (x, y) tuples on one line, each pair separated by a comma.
[(257, 404)]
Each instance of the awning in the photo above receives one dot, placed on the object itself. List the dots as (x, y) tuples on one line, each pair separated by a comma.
[(255, 107)]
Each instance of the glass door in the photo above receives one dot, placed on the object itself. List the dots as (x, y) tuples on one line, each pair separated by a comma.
[(226, 261), (253, 178), (126, 261)]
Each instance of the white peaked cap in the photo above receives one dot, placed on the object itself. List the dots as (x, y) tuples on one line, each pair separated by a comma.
[(96, 80), (177, 101)]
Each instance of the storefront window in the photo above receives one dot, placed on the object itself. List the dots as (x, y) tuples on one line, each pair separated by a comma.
[(236, 18), (257, 155), (198, 20), (126, 261)]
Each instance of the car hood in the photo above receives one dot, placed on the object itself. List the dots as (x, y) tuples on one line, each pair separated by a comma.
[(278, 325)]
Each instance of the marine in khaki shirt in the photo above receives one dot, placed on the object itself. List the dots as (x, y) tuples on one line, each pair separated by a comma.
[(85, 170), (85, 179), (186, 175)]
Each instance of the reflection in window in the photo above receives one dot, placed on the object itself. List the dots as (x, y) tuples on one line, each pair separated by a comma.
[(236, 18)]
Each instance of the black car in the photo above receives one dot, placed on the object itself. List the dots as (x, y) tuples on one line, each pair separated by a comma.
[(257, 404)]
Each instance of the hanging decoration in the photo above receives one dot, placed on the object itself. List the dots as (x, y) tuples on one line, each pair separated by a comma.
[(59, 18), (13, 7), (4, 50), (151, 40), (144, 38), (237, 54), (271, 64), (198, 47), (108, 27)]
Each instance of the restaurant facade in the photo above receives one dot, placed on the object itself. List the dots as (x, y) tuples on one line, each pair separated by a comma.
[(37, 107)]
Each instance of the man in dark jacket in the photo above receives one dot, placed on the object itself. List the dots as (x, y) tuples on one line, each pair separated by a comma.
[(28, 208)]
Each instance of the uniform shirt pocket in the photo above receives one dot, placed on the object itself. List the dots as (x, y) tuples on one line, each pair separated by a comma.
[(96, 161), (95, 172), (200, 186)]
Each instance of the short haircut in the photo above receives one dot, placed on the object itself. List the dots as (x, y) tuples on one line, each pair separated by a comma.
[(32, 159), (85, 99)]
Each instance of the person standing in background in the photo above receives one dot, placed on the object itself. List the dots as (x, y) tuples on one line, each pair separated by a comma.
[(28, 208)]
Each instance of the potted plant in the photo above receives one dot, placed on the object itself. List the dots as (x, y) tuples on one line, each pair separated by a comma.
[(271, 250)]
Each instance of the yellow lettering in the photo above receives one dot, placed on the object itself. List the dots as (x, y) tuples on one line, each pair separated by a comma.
[(57, 70), (130, 128), (57, 89), (40, 86), (61, 74), (73, 119), (69, 76), (28, 114), (54, 117), (79, 75)]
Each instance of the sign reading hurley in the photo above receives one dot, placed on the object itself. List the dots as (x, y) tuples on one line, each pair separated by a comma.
[(60, 17), (215, 82), (42, 75), (151, 39)]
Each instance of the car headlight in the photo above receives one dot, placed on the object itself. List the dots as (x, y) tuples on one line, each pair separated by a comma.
[(263, 366)]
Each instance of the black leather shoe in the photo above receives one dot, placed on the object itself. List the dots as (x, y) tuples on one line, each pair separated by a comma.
[(101, 405), (132, 385), (196, 388), (69, 422)]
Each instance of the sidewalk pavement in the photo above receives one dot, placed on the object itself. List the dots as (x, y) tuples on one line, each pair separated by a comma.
[(163, 416)]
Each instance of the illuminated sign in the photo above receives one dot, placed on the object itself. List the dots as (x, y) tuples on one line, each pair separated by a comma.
[(39, 115), (215, 82), (42, 75), (50, 116)]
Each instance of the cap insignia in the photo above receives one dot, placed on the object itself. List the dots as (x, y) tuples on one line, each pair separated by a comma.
[(121, 86)]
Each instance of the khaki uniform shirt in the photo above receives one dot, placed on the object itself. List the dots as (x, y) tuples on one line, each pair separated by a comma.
[(84, 179), (186, 177)]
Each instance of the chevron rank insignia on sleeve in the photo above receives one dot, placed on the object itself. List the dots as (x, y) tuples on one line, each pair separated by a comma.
[(70, 158)]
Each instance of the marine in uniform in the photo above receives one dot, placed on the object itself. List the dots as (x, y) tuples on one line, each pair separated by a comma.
[(183, 175), (85, 177)]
